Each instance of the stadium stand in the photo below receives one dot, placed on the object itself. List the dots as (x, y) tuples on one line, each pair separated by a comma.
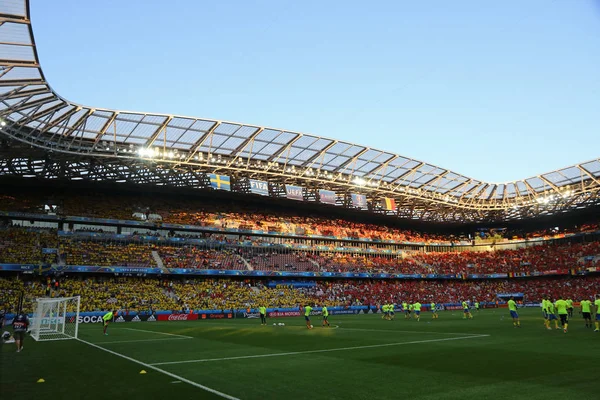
[(150, 294), (26, 246)]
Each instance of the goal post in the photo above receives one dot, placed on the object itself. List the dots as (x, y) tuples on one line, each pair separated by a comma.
[(55, 318)]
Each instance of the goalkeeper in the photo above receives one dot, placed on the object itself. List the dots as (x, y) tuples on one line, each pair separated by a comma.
[(107, 318)]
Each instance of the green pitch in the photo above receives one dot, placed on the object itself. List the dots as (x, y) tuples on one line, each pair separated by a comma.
[(360, 357)]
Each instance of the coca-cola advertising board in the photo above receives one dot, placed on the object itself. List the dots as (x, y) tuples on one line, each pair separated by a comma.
[(177, 317)]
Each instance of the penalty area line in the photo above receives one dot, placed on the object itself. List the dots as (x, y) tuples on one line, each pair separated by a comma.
[(293, 353), (162, 371), (141, 340)]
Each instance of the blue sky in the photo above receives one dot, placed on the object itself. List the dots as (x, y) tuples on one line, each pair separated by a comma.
[(496, 91)]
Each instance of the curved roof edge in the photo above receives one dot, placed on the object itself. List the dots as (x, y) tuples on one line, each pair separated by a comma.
[(35, 114)]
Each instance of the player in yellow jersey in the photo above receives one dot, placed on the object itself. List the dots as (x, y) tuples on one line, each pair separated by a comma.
[(325, 313), (512, 307), (433, 310), (262, 310), (551, 314), (417, 310), (570, 307), (597, 304), (307, 310), (406, 310), (562, 307), (545, 312), (466, 310), (586, 312)]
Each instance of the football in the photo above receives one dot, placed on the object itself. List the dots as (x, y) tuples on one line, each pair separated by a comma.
[(312, 326)]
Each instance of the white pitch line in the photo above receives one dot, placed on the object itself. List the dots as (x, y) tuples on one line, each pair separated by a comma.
[(149, 366), (142, 340), (158, 333), (292, 353)]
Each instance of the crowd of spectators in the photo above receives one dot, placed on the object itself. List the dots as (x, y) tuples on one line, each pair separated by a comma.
[(162, 294), (19, 246), (79, 252), (212, 214), (456, 291), (246, 216), (198, 258), (26, 246), (544, 257)]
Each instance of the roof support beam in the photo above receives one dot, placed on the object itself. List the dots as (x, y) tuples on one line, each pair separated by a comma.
[(79, 122), (407, 173), (351, 160), (104, 128), (552, 185), (156, 133), (309, 163), (194, 149), (285, 148), (41, 114), (23, 105)]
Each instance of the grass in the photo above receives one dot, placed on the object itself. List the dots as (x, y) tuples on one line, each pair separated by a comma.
[(362, 357)]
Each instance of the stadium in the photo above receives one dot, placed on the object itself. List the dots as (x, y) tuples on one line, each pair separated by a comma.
[(176, 234)]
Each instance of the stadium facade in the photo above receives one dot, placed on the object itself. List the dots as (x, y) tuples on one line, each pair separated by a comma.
[(45, 136)]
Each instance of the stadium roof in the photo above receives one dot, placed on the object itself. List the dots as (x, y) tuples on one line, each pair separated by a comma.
[(34, 114)]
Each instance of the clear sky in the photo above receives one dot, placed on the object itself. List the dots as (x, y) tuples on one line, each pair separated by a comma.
[(495, 90)]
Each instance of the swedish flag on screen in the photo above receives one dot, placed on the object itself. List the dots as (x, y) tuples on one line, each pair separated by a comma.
[(220, 182)]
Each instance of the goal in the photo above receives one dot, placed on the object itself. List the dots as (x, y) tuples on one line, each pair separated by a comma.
[(55, 319)]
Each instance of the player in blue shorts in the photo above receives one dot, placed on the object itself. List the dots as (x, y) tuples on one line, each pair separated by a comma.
[(417, 309), (466, 310), (512, 307)]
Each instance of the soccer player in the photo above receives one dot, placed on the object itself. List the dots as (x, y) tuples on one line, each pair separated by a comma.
[(570, 307), (551, 310), (545, 312), (392, 312), (586, 311), (597, 304), (20, 325), (477, 306), (262, 310), (107, 318), (466, 310), (512, 307), (562, 307), (307, 310), (417, 310), (433, 310), (411, 307), (406, 310), (383, 311), (325, 313)]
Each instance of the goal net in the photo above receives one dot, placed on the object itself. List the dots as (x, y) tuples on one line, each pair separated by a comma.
[(55, 319)]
